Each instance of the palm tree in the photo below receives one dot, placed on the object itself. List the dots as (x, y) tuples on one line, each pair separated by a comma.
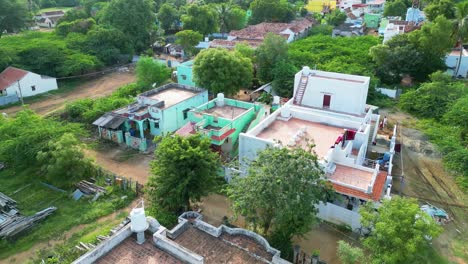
[(461, 29)]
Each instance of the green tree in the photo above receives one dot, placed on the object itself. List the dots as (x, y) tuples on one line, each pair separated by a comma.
[(280, 192), (221, 71), (64, 163), (271, 11), (184, 170), (273, 50), (283, 82), (461, 29), (78, 26), (245, 51), (401, 231), (149, 71), (168, 16), (230, 17), (72, 15), (321, 30), (201, 18), (336, 18), (78, 63), (395, 8), (433, 99), (349, 254), (133, 17), (444, 8), (188, 39), (109, 44), (13, 16)]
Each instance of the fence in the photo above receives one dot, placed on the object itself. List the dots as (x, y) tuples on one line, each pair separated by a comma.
[(126, 184)]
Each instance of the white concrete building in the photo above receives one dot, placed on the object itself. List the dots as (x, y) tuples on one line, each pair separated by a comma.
[(14, 81), (330, 109), (394, 29), (49, 19), (451, 60)]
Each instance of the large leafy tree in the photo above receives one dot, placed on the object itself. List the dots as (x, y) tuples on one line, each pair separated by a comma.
[(336, 18), (230, 17), (149, 72), (133, 17), (444, 8), (222, 71), (188, 39), (401, 232), (168, 16), (395, 8), (184, 170), (271, 11), (433, 99), (349, 254), (109, 44), (279, 193), (283, 82), (13, 15), (201, 18), (63, 161), (273, 50)]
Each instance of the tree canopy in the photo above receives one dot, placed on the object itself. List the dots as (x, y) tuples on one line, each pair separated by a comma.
[(201, 18), (168, 16), (230, 17), (149, 72), (273, 50), (395, 8), (283, 79), (13, 16), (401, 231), (134, 18), (221, 71), (279, 192), (271, 11), (184, 169), (336, 17), (444, 8), (188, 39)]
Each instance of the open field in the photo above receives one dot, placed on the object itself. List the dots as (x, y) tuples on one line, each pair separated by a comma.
[(83, 88)]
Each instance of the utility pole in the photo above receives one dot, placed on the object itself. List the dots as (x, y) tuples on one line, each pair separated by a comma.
[(21, 93)]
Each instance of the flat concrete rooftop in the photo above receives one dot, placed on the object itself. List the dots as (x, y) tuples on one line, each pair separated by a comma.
[(224, 249), (129, 252), (172, 96), (324, 136), (352, 176), (226, 111)]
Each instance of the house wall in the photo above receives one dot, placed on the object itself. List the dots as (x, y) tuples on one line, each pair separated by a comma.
[(42, 85), (338, 215), (8, 99), (347, 97), (185, 70), (451, 62)]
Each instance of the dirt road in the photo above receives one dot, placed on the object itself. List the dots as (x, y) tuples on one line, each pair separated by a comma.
[(97, 87), (425, 179)]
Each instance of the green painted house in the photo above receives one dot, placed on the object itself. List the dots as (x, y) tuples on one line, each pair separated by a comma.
[(372, 20), (156, 112), (184, 73), (222, 120)]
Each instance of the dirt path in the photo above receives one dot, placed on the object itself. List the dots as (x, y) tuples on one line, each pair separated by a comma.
[(123, 162), (24, 256), (97, 87), (426, 180)]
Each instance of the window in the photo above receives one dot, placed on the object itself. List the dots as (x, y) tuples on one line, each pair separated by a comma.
[(184, 77), (326, 101), (185, 112), (33, 88), (156, 124)]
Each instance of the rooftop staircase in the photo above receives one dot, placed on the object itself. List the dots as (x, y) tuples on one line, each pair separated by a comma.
[(301, 90)]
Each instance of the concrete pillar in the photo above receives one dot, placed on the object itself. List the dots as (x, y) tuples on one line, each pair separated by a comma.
[(140, 126)]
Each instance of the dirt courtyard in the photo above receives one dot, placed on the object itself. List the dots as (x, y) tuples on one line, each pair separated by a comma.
[(96, 87)]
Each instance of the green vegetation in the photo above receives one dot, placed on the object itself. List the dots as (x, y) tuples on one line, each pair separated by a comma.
[(273, 50), (230, 17), (38, 150), (150, 72), (442, 105), (401, 232), (279, 194), (349, 254), (188, 39), (168, 16), (222, 71), (336, 18), (14, 16), (201, 18), (184, 170), (271, 11)]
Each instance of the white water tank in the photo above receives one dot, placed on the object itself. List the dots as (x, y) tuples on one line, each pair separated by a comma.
[(276, 100), (138, 220), (286, 112), (305, 70), (220, 100)]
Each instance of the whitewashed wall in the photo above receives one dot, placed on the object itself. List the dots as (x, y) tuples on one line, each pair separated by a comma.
[(42, 85)]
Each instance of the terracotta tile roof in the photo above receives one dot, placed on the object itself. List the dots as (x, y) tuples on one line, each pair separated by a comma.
[(221, 43), (259, 31), (376, 191), (398, 22), (9, 76), (225, 135), (53, 13)]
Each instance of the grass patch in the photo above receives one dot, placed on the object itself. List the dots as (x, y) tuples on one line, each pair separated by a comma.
[(36, 197), (63, 8)]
